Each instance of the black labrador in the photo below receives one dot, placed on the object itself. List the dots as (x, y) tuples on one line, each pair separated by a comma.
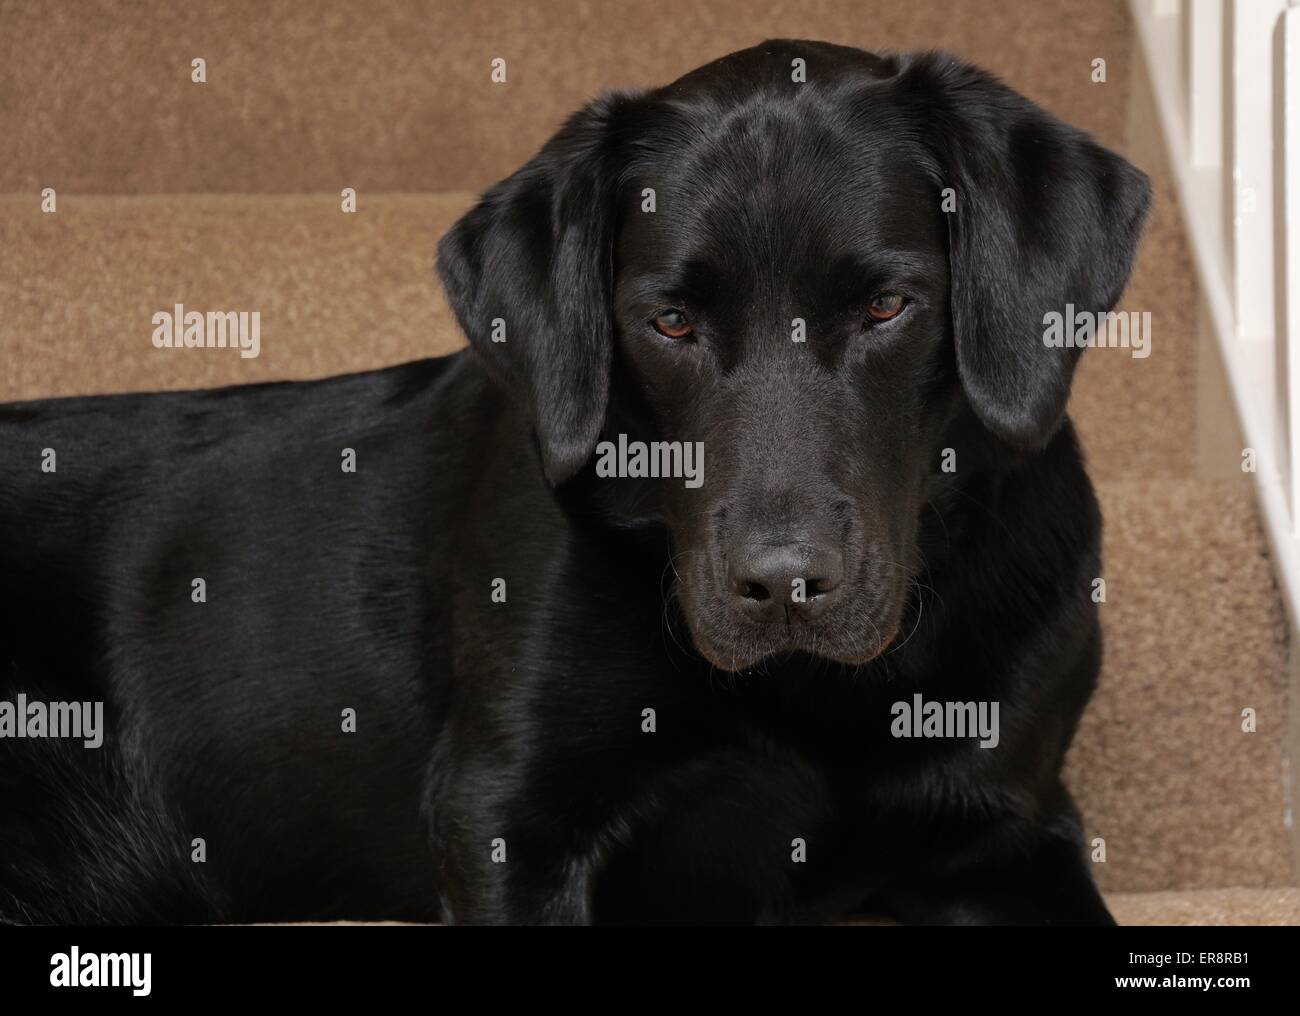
[(741, 571)]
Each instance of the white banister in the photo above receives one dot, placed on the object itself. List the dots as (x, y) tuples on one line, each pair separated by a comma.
[(1226, 80), (1251, 27), (1205, 83), (1287, 243)]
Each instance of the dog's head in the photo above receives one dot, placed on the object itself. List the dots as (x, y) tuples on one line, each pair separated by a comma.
[(817, 262)]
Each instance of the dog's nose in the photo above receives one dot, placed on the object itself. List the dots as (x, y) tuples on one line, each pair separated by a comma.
[(784, 582)]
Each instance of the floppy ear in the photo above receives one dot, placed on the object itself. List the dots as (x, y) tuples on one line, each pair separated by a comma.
[(527, 272), (1044, 217)]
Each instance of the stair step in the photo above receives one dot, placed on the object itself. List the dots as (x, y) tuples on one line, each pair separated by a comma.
[(315, 97), (1137, 415), (1195, 633), (1213, 908), (340, 292), (337, 292)]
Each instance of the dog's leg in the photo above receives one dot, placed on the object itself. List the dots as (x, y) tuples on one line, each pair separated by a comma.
[(1047, 882), (718, 840), (518, 878), (502, 858)]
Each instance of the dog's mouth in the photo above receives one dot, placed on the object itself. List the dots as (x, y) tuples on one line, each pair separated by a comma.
[(741, 651), (854, 634)]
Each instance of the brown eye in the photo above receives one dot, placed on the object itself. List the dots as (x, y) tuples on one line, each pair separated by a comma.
[(886, 306), (673, 324)]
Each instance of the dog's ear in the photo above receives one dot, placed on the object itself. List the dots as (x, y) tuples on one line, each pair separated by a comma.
[(528, 274), (1043, 217)]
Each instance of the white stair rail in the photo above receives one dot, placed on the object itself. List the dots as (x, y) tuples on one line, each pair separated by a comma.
[(1226, 80)]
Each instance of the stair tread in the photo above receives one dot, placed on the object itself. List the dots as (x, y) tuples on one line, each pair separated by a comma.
[(98, 97), (364, 296), (1195, 633), (1213, 907)]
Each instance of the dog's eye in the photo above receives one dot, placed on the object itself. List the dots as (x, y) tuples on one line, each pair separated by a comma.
[(672, 324), (885, 306)]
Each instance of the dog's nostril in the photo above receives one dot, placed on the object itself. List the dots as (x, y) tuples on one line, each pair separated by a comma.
[(818, 587), (794, 575)]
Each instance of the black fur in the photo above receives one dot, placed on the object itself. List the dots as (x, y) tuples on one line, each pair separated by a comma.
[(523, 721)]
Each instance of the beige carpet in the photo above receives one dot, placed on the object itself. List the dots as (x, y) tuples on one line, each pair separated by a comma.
[(225, 195), (312, 97), (1208, 907)]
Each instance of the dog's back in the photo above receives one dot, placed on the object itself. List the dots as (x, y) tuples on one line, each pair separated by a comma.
[(244, 578)]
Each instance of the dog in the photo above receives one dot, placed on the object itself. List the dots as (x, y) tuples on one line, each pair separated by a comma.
[(529, 658)]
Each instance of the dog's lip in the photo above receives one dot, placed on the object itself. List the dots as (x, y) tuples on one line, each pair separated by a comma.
[(732, 659)]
